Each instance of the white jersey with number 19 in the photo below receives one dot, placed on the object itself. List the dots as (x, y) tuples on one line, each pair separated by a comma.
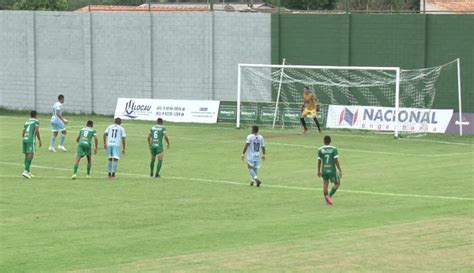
[(256, 143), (115, 133)]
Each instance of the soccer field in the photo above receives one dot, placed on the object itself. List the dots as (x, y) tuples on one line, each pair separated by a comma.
[(403, 205)]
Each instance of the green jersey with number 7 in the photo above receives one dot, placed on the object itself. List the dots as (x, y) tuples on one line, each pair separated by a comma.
[(328, 155), (30, 130)]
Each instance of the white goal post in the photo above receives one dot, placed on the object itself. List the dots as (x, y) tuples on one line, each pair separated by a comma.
[(263, 84)]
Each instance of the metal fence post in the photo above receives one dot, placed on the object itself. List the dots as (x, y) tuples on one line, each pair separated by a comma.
[(35, 96)]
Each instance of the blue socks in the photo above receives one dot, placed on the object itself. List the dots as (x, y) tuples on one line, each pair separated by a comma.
[(114, 165), (63, 138), (53, 140), (252, 173)]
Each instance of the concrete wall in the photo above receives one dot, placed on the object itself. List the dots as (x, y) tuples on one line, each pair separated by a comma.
[(94, 58), (182, 56), (17, 62), (121, 64), (61, 63)]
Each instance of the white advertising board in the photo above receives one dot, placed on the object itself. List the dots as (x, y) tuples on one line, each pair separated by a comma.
[(199, 111), (383, 118)]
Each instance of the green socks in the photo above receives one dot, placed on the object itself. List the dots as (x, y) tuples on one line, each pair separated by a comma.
[(89, 166), (152, 165), (332, 192), (158, 166), (28, 161)]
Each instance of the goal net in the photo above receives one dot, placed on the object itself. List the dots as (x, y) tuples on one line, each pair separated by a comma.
[(349, 97)]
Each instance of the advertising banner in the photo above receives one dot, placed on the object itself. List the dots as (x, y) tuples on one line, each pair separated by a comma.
[(199, 111), (383, 118), (227, 113), (267, 114), (248, 113)]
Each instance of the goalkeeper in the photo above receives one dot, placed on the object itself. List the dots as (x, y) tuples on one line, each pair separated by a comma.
[(310, 106)]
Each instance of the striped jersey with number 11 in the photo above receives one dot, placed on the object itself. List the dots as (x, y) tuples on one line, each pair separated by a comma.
[(115, 133)]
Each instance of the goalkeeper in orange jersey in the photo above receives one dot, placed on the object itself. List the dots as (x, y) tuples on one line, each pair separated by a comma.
[(310, 106)]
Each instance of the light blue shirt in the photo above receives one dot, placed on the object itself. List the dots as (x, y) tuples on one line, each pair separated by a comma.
[(57, 108)]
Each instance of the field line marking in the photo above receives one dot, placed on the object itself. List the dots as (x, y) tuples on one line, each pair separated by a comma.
[(278, 131), (438, 141), (35, 178), (269, 185), (316, 147), (367, 151)]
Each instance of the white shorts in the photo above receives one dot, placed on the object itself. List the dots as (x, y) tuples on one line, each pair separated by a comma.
[(113, 152)]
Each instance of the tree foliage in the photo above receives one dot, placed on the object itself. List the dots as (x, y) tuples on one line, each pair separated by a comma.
[(353, 4), (6, 4), (306, 4), (384, 4), (41, 4), (290, 4), (63, 4)]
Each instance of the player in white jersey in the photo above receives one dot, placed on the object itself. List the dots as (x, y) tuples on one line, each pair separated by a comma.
[(58, 125), (114, 138), (255, 149)]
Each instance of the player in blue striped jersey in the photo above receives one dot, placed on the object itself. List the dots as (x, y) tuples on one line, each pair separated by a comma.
[(255, 149), (58, 125), (114, 138)]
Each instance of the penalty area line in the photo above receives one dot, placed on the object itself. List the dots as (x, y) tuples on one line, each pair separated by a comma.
[(319, 189), (270, 185), (371, 152)]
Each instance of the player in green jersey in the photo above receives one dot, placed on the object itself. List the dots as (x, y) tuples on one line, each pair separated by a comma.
[(155, 142), (29, 135), (328, 159), (84, 146)]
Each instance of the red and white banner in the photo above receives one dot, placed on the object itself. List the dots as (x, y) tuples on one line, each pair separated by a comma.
[(200, 111), (383, 118)]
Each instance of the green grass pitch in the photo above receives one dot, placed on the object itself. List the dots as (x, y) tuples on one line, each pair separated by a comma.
[(404, 205)]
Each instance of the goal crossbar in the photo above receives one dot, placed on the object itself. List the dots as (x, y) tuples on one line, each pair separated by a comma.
[(329, 67)]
